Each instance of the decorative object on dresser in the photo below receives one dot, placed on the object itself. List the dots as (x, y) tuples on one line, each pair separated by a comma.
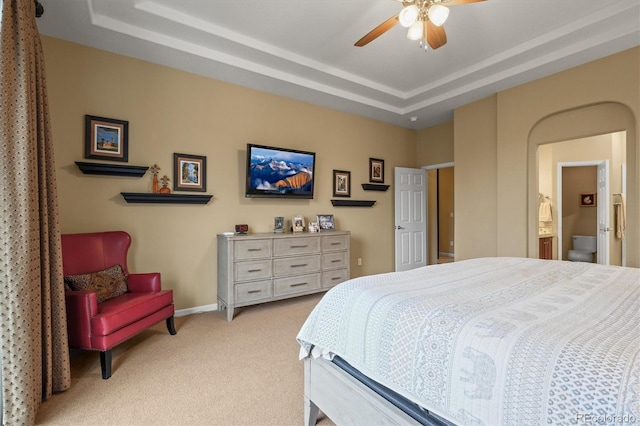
[(259, 268), (325, 222), (242, 229), (298, 223), (189, 172), (278, 224), (376, 170), (314, 227), (341, 183), (106, 138)]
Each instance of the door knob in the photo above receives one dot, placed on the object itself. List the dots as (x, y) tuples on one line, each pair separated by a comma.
[(398, 227)]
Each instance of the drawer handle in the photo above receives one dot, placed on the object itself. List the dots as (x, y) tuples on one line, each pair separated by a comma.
[(300, 265), (298, 285), (255, 270), (335, 244), (336, 261), (255, 249), (302, 246), (254, 291), (335, 278)]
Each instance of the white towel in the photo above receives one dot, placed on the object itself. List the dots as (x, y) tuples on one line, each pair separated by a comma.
[(544, 212), (621, 220)]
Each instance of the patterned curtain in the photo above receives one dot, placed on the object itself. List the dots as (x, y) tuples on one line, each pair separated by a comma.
[(33, 336)]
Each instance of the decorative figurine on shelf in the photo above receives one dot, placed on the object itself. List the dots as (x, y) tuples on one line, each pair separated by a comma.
[(154, 170), (165, 185)]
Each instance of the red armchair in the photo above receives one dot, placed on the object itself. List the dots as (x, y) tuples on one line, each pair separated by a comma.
[(101, 326)]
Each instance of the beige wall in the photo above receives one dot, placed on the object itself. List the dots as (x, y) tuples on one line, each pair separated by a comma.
[(495, 143), (435, 145), (173, 111)]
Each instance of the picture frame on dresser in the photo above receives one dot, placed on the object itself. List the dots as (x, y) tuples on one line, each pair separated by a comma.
[(325, 222), (297, 223)]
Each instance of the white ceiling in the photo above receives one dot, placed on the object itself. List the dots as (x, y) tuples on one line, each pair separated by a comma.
[(303, 49)]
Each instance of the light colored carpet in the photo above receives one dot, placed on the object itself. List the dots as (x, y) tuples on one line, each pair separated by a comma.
[(211, 372)]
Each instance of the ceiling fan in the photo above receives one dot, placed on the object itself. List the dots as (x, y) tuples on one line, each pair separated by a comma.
[(423, 18)]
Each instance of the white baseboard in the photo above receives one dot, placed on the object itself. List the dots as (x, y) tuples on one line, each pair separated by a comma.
[(196, 310)]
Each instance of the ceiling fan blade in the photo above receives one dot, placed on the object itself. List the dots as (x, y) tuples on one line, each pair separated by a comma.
[(436, 37), (457, 2), (377, 31)]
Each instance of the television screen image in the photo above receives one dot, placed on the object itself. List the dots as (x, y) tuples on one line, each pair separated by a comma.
[(279, 172)]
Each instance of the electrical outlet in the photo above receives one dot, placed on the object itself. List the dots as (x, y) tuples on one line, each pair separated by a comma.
[(359, 261), (451, 243)]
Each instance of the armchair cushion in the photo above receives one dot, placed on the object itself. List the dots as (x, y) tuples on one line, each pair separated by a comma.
[(107, 284)]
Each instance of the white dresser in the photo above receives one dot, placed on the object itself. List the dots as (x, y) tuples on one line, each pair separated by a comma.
[(258, 268)]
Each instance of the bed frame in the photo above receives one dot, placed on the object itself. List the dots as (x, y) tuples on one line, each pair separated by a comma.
[(346, 400)]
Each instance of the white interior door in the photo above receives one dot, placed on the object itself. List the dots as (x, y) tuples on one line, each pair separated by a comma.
[(410, 187), (603, 213)]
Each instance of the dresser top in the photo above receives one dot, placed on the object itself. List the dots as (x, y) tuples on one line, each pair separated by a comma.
[(260, 235)]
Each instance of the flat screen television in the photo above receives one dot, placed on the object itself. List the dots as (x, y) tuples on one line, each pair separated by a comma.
[(279, 172)]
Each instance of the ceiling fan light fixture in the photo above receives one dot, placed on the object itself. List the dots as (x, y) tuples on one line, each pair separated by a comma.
[(415, 31), (408, 15), (438, 14)]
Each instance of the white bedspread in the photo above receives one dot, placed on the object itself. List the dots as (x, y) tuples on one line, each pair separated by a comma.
[(493, 341)]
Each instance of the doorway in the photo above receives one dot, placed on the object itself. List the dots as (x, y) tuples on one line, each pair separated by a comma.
[(568, 170), (440, 207)]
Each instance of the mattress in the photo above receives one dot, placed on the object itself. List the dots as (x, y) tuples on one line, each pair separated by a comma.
[(509, 341)]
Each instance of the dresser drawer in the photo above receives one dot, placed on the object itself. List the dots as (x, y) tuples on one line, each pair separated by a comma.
[(299, 284), (335, 260), (249, 292), (334, 242), (296, 265), (292, 246), (332, 278), (252, 249), (253, 270)]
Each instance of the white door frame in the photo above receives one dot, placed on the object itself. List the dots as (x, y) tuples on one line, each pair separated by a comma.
[(602, 204)]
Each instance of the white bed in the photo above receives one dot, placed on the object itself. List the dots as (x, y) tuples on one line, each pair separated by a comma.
[(491, 341)]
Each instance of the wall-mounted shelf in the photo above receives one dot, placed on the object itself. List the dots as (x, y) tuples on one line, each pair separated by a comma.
[(111, 169), (142, 197), (375, 187), (352, 203)]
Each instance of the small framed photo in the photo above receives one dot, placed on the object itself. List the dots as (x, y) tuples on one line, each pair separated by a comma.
[(325, 222), (376, 170), (278, 224), (189, 172), (588, 199), (341, 183), (297, 222), (314, 227), (106, 138)]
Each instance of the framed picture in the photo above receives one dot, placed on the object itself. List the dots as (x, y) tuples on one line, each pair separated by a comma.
[(278, 224), (588, 199), (376, 170), (297, 223), (325, 222), (341, 183), (189, 172), (106, 138)]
